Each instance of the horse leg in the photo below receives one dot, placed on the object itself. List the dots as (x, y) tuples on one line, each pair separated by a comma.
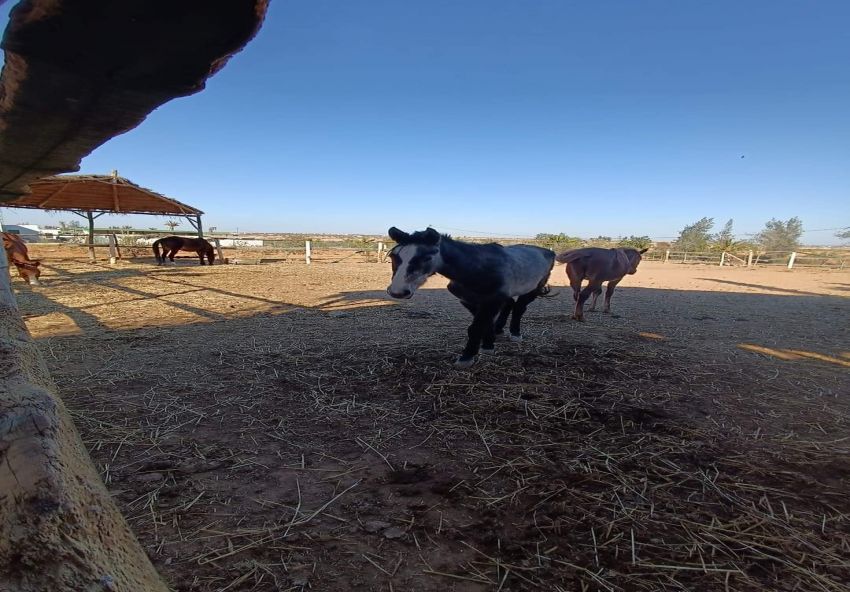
[(496, 326), (608, 293), (502, 319), (596, 294), (519, 309), (482, 322), (171, 254), (582, 298), (201, 257)]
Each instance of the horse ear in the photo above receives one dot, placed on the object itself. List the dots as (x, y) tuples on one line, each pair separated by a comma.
[(642, 251), (432, 237), (397, 235)]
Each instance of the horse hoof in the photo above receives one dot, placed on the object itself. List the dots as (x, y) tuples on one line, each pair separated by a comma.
[(577, 318), (488, 351), (516, 338), (462, 364)]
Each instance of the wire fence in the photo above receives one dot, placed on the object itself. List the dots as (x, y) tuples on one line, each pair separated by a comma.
[(371, 249)]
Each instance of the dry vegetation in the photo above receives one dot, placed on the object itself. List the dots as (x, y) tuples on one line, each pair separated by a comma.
[(279, 427)]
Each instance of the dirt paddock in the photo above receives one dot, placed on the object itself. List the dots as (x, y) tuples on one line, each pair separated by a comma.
[(285, 427)]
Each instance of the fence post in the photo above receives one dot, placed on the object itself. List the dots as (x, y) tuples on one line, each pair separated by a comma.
[(722, 258), (750, 258), (666, 256), (218, 249), (380, 251), (113, 254), (307, 253), (791, 260)]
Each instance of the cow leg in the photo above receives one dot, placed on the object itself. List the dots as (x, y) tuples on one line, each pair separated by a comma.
[(482, 324), (519, 309), (608, 293), (502, 319), (596, 294), (582, 298)]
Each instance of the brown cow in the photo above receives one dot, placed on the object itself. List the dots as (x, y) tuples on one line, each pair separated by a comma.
[(16, 251)]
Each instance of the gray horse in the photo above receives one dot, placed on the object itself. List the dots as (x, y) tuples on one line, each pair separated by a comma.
[(491, 281), (597, 266)]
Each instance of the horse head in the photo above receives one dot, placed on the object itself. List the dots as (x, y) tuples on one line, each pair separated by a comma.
[(415, 258), (29, 271), (634, 257)]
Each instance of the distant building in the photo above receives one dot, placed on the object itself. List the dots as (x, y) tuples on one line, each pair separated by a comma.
[(29, 233)]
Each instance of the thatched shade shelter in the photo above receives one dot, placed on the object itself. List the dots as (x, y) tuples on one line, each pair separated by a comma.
[(91, 196)]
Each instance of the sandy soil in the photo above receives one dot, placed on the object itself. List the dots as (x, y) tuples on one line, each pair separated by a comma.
[(279, 426)]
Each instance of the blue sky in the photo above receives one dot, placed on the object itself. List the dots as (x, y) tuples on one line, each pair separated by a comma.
[(512, 118)]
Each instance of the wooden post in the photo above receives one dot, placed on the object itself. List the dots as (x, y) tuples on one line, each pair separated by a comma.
[(791, 260), (750, 258), (90, 217), (685, 258), (218, 250), (722, 258), (113, 252), (666, 256), (7, 297), (380, 251), (307, 252)]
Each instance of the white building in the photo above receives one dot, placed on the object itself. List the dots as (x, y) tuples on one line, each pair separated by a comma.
[(29, 233)]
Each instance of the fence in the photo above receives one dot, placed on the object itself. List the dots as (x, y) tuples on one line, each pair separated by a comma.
[(338, 249), (788, 259)]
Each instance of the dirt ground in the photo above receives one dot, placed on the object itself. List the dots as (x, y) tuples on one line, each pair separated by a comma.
[(285, 427)]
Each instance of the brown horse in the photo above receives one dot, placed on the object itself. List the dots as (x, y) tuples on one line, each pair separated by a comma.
[(16, 251), (172, 244), (597, 266)]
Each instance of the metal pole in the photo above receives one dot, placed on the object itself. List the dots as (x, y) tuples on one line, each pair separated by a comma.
[(200, 226)]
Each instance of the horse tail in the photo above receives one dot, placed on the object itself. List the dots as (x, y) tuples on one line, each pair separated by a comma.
[(156, 250), (568, 256)]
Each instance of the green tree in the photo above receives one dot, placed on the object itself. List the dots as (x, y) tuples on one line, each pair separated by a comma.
[(172, 224), (725, 239), (599, 241), (843, 233), (696, 236), (780, 236), (558, 241), (635, 242)]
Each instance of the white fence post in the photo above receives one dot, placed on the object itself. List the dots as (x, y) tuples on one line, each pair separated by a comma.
[(218, 249), (113, 248), (380, 251), (666, 256), (722, 258), (791, 260), (750, 258), (307, 252)]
